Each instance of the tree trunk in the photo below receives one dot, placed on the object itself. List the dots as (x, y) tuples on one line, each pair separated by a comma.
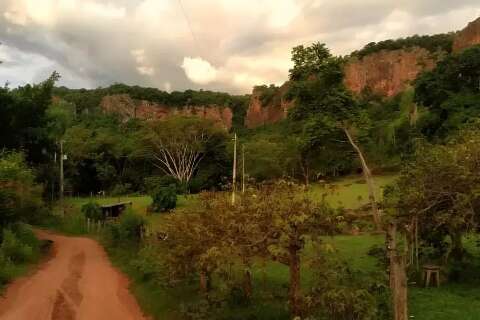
[(398, 276), (294, 292), (368, 179), (457, 246), (247, 284), (399, 292), (204, 282)]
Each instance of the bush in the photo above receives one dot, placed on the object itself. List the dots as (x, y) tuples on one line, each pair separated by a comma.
[(153, 183), (164, 199), (147, 264), (129, 228), (92, 211), (7, 269), (14, 249)]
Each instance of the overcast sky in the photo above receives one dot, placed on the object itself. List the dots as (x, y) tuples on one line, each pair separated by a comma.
[(227, 45)]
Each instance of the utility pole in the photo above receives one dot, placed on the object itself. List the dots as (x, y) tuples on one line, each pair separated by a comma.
[(234, 176), (61, 171), (243, 168)]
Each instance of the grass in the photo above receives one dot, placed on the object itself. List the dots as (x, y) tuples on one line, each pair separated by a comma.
[(450, 301), (350, 192)]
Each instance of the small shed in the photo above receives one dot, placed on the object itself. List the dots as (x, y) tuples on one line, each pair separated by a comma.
[(114, 210)]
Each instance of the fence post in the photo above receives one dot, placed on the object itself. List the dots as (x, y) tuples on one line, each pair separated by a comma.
[(398, 276)]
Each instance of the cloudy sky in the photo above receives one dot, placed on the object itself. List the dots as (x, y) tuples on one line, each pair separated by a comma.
[(227, 45)]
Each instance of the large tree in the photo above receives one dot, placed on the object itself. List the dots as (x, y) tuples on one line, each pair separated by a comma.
[(321, 98), (178, 144)]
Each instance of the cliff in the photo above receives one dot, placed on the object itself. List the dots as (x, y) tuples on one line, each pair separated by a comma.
[(127, 107), (467, 37), (260, 113), (387, 73)]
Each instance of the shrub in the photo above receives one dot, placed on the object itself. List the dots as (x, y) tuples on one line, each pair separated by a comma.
[(14, 249), (153, 183), (147, 264), (129, 228), (7, 269), (164, 199), (92, 211)]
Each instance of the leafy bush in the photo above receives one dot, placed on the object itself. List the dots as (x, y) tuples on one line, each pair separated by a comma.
[(92, 211), (147, 264), (164, 199), (7, 269), (154, 182), (129, 228), (14, 249)]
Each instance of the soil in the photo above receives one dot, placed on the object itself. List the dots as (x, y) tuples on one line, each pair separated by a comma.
[(76, 283)]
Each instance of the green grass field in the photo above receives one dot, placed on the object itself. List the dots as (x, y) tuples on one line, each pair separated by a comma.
[(450, 301)]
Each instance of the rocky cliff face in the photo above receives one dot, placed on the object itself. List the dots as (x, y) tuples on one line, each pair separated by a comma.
[(387, 73), (275, 110), (467, 37), (128, 108)]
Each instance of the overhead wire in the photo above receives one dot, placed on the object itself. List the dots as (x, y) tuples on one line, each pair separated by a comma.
[(189, 25)]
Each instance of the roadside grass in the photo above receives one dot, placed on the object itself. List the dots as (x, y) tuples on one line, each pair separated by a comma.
[(20, 257)]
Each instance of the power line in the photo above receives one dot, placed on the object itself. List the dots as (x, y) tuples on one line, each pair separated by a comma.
[(189, 24)]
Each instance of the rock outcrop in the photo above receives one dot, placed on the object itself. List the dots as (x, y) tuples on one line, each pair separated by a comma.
[(275, 110), (128, 108), (387, 73), (467, 37)]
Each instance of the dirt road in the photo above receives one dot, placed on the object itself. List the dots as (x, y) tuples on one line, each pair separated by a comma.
[(76, 283)]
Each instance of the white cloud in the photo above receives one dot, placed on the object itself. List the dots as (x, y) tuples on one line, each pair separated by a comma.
[(142, 67), (167, 86), (198, 70)]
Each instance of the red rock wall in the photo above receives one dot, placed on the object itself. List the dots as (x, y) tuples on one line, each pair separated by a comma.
[(128, 108), (387, 73), (468, 37), (259, 115)]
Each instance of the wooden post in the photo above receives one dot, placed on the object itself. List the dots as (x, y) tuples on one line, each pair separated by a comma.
[(398, 276)]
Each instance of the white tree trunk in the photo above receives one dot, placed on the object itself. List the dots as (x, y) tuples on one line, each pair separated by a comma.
[(368, 179)]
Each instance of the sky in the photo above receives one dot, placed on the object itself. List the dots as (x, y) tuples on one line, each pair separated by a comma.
[(221, 45)]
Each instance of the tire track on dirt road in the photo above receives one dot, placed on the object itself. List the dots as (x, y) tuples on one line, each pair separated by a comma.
[(76, 283)]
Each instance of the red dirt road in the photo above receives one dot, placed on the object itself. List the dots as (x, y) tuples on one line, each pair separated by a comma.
[(76, 283)]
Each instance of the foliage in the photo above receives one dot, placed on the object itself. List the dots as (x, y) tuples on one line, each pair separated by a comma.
[(164, 198), (269, 94), (20, 196), (215, 235), (179, 144), (92, 211), (433, 43), (451, 92), (129, 228), (439, 187), (23, 114)]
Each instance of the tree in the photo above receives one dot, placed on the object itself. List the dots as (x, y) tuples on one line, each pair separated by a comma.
[(451, 92), (436, 194), (179, 144), (320, 96)]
